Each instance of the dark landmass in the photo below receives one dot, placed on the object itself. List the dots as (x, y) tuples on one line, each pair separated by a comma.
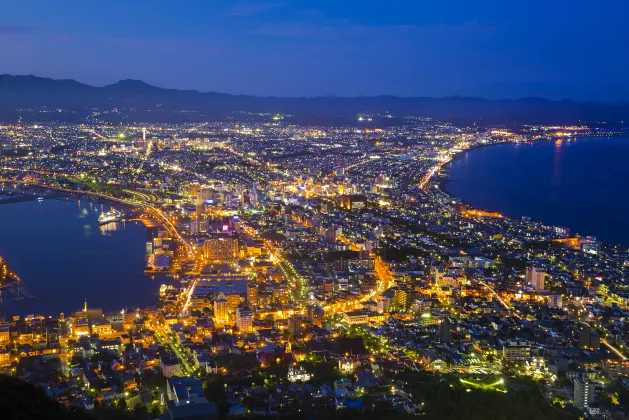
[(21, 400), (70, 100)]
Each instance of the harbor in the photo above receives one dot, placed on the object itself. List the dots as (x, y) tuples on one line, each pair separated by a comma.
[(62, 239), (11, 286)]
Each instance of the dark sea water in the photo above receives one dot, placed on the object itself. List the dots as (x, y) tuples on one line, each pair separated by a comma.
[(582, 184), (63, 256)]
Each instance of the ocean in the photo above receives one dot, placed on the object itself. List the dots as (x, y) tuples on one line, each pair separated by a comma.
[(581, 184)]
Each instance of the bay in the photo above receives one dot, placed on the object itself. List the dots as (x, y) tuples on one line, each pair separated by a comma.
[(582, 183), (64, 257)]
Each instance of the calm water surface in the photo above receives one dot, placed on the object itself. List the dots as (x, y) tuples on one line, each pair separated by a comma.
[(581, 184), (63, 256)]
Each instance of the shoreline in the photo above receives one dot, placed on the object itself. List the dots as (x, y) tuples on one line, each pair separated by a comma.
[(443, 180)]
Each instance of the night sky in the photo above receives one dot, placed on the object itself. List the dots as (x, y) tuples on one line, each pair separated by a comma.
[(574, 49)]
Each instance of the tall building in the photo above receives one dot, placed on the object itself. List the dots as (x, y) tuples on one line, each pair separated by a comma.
[(220, 309), (204, 195), (297, 325), (233, 301), (445, 331), (281, 295), (221, 249), (583, 393), (535, 278), (589, 339), (315, 315), (252, 294), (383, 305), (330, 235), (200, 211), (402, 298), (244, 320)]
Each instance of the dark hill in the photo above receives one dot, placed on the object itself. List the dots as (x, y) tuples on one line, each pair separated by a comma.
[(32, 91), (20, 400)]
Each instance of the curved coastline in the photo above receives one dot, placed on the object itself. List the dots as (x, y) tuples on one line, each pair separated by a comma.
[(444, 180)]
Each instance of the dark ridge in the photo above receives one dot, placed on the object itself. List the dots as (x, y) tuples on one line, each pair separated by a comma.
[(32, 91)]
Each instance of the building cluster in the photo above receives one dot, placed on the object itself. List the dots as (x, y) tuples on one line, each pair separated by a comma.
[(315, 267)]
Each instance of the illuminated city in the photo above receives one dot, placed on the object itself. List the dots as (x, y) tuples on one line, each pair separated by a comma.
[(324, 256), (304, 210)]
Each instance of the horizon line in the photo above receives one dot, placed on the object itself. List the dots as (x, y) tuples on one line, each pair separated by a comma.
[(326, 96)]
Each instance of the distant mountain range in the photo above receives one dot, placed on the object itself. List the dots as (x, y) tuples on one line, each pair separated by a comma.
[(31, 91)]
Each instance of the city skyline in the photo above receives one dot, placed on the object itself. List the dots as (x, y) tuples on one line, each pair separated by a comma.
[(562, 50)]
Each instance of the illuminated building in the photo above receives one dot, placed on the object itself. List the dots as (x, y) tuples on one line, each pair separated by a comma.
[(252, 294), (535, 278), (353, 202), (169, 365), (445, 331), (382, 305), (588, 339), (221, 249), (233, 301), (427, 320), (5, 335), (297, 325), (330, 235), (281, 295), (297, 373), (82, 327), (316, 315), (401, 298), (555, 301), (244, 320), (516, 351), (220, 309), (447, 279), (382, 181), (421, 306), (204, 195), (200, 210), (91, 315), (328, 287), (616, 368), (590, 245), (5, 358), (584, 392), (355, 317), (102, 328), (348, 364)]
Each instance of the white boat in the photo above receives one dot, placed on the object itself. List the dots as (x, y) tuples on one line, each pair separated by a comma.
[(110, 216)]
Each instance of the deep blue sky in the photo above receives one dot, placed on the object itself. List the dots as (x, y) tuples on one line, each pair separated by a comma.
[(493, 48)]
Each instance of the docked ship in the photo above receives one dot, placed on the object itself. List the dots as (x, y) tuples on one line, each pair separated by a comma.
[(110, 216)]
